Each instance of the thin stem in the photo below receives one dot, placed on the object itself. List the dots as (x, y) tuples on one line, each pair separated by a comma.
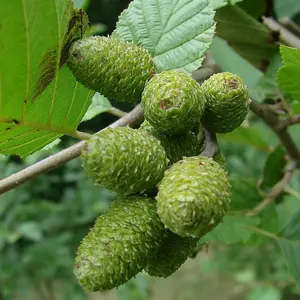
[(289, 121), (292, 192), (270, 119), (286, 36), (263, 232), (276, 190), (290, 25), (58, 159), (117, 112), (82, 135), (211, 144)]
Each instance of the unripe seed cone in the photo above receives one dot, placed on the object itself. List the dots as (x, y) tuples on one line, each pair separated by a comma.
[(227, 102), (173, 252), (193, 196), (115, 68), (173, 102), (124, 160), (119, 245), (178, 146)]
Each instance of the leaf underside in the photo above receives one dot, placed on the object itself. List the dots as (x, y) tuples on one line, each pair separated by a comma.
[(176, 33), (40, 99)]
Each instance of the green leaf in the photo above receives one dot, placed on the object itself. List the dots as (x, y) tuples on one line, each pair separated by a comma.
[(248, 37), (292, 229), (296, 108), (244, 192), (255, 8), (291, 250), (221, 3), (99, 105), (274, 167), (286, 8), (135, 289), (249, 136), (176, 33), (40, 99), (31, 230), (288, 75), (289, 207), (289, 243), (264, 293), (232, 230)]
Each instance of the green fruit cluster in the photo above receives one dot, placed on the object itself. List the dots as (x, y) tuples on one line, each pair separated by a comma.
[(176, 147), (190, 193)]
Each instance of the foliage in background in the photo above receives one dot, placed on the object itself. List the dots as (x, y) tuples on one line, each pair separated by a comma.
[(43, 221)]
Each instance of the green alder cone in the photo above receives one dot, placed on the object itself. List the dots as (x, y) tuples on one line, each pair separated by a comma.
[(227, 102), (124, 160), (173, 252), (177, 147), (173, 102), (193, 196), (115, 68), (118, 246)]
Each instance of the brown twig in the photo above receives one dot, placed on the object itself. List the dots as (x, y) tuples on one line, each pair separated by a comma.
[(286, 36), (289, 121), (58, 159), (277, 189), (275, 123)]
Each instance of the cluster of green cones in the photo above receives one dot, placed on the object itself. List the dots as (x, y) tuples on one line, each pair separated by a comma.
[(169, 195)]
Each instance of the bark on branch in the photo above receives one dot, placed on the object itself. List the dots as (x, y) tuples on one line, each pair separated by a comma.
[(60, 158)]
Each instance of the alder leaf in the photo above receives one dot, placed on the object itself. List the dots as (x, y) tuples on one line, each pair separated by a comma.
[(176, 33), (40, 100), (288, 75)]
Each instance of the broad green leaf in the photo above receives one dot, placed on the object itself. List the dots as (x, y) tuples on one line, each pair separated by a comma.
[(290, 250), (40, 100), (289, 75), (296, 108), (221, 3), (292, 229), (176, 33), (248, 37), (274, 167), (289, 243), (99, 105), (244, 192), (264, 293), (286, 8), (255, 8), (233, 229), (249, 136), (289, 207)]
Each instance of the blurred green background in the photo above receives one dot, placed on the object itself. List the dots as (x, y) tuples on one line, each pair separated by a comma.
[(43, 221)]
